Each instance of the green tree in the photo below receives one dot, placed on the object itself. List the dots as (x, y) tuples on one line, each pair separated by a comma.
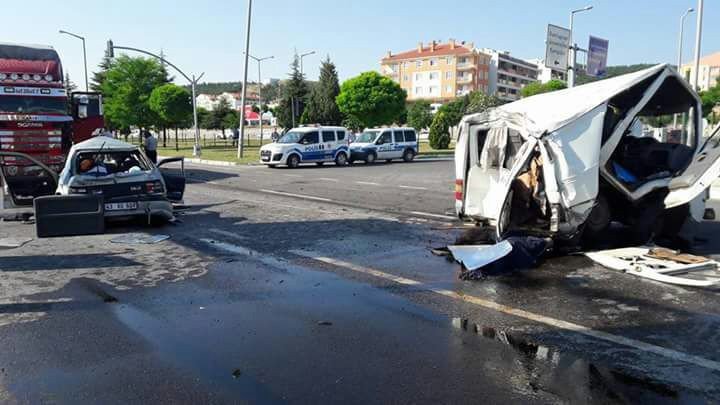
[(270, 92), (710, 99), (294, 93), (454, 110), (321, 107), (70, 86), (126, 90), (98, 77), (419, 115), (479, 102), (439, 136), (218, 115), (538, 88), (204, 118), (372, 98), (173, 104), (352, 123)]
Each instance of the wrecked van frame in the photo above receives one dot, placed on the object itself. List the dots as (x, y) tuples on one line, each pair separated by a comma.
[(554, 164)]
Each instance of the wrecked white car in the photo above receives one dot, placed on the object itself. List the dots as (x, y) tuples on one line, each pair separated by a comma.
[(129, 183), (568, 164)]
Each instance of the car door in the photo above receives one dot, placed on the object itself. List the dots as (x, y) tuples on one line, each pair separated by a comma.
[(312, 149), (384, 145), (174, 178), (328, 140), (398, 143), (700, 174)]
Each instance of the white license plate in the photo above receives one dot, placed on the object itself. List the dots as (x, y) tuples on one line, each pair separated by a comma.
[(122, 206)]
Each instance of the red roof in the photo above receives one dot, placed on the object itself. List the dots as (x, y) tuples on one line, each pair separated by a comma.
[(440, 50)]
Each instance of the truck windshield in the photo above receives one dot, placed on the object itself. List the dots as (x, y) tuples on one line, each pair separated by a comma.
[(367, 137), (33, 105)]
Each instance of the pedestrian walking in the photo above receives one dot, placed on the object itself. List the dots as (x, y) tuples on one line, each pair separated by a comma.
[(151, 146), (275, 136), (235, 136)]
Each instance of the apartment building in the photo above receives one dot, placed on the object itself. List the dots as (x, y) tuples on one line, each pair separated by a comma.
[(709, 71), (438, 71), (508, 74)]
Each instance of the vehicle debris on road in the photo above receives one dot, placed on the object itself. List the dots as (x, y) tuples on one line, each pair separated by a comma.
[(13, 242), (139, 239)]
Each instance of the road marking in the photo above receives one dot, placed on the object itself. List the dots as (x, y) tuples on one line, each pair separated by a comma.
[(557, 323), (228, 234), (428, 214), (413, 187), (267, 259), (307, 197), (328, 179), (292, 175), (367, 183)]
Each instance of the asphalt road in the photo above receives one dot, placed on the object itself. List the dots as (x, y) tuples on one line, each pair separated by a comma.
[(317, 285)]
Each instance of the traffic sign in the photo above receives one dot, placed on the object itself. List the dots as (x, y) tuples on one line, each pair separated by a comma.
[(557, 46), (597, 57)]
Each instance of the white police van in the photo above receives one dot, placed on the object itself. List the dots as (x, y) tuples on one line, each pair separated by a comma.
[(385, 144), (313, 144)]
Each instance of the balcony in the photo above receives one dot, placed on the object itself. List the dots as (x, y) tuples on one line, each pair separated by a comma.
[(464, 79), (465, 66)]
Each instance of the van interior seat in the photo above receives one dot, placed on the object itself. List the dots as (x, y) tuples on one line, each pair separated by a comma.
[(646, 157)]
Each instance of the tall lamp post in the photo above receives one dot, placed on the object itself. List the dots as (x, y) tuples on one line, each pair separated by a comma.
[(680, 50), (84, 53), (301, 60), (244, 86), (698, 38), (258, 60), (193, 81), (571, 53)]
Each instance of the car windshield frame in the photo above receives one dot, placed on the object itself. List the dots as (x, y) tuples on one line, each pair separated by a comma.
[(33, 105), (364, 137), (291, 137), (144, 164)]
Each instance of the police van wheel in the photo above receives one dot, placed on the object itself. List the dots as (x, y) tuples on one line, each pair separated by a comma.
[(370, 159), (341, 159), (293, 161), (408, 156)]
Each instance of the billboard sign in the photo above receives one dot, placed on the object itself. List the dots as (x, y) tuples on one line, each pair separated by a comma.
[(597, 57), (556, 47)]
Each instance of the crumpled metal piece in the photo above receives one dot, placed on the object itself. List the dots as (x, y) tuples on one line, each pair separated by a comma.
[(139, 239)]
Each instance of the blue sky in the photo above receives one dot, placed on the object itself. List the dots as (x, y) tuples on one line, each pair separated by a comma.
[(209, 36)]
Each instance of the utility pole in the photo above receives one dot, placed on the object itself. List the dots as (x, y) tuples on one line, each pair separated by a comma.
[(84, 53), (258, 60), (680, 51), (244, 87), (698, 38), (573, 47), (301, 60)]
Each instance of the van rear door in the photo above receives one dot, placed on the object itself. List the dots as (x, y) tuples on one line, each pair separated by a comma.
[(704, 169)]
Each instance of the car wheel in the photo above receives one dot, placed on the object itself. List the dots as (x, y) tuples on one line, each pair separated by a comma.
[(272, 166), (388, 160), (320, 163), (293, 161), (341, 159), (370, 159), (409, 155)]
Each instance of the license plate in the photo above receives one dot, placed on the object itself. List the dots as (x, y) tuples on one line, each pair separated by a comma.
[(121, 206), (266, 158)]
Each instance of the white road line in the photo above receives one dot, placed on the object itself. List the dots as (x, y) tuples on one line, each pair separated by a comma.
[(292, 175), (367, 183), (328, 179), (428, 214), (228, 234), (557, 323), (307, 197), (413, 187), (267, 259)]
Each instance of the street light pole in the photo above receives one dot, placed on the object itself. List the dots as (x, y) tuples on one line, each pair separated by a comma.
[(244, 86), (258, 60), (84, 53), (698, 38), (301, 60), (573, 47), (196, 148), (680, 50)]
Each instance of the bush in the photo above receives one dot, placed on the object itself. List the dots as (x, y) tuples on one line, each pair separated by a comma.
[(440, 131)]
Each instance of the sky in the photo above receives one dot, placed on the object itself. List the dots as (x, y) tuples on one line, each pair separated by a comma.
[(209, 36)]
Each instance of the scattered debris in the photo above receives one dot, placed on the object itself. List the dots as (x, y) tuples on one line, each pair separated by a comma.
[(139, 239), (662, 265), (324, 323), (476, 256), (11, 243), (514, 253), (441, 251), (236, 373)]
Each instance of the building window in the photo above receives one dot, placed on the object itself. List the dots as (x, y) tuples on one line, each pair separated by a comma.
[(418, 76), (406, 77), (418, 91), (449, 89), (433, 62), (448, 75), (449, 60), (433, 90), (462, 60), (418, 63), (433, 76), (405, 65), (394, 68)]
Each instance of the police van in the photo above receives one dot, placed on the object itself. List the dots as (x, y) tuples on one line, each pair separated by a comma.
[(313, 144), (385, 144)]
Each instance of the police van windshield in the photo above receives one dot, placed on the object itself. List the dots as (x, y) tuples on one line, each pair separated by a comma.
[(291, 137), (367, 137)]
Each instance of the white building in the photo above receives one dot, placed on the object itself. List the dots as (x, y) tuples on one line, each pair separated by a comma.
[(709, 71), (508, 74), (545, 74), (206, 101)]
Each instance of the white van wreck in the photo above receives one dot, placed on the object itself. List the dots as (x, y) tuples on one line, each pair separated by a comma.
[(567, 164)]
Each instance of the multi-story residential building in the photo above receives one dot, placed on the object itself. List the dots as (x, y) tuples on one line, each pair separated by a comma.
[(545, 74), (709, 71), (206, 101), (438, 71), (508, 74), (210, 101)]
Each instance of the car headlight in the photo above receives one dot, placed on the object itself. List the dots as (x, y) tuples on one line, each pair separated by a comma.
[(48, 78), (26, 76)]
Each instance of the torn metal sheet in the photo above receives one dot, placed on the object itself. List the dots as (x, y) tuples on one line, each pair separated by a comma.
[(139, 239), (646, 262), (10, 243), (474, 257)]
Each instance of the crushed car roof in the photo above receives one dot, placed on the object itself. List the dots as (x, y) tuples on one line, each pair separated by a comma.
[(550, 111), (104, 143)]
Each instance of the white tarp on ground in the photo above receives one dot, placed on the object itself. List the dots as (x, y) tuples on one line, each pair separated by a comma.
[(474, 257)]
